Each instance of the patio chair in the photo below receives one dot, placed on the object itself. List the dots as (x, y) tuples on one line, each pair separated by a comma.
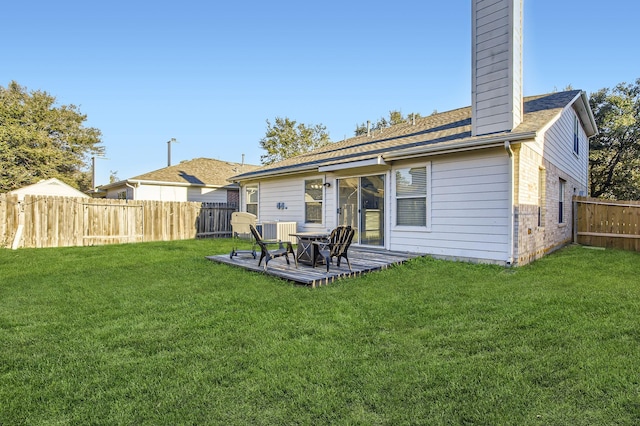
[(267, 254), (336, 245), (240, 222)]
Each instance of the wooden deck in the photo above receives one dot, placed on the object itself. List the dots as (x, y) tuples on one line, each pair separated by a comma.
[(362, 261)]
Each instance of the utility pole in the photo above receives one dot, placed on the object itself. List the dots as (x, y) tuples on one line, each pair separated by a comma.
[(93, 171), (169, 142)]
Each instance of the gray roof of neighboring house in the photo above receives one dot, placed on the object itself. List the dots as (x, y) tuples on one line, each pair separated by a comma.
[(435, 133), (199, 171)]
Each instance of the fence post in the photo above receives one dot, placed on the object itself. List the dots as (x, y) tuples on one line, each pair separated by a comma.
[(18, 237), (575, 220)]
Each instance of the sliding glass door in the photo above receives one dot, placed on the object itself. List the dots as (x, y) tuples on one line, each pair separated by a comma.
[(361, 206)]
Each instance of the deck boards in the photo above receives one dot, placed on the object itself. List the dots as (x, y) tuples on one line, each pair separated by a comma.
[(362, 261)]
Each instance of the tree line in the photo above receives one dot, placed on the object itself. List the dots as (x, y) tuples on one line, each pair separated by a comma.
[(40, 139)]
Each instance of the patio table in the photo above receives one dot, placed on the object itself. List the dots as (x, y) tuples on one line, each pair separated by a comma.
[(307, 251)]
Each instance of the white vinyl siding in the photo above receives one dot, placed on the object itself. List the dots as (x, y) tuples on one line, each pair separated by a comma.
[(557, 146), (161, 193), (288, 193), (207, 195), (497, 66), (283, 200), (470, 211)]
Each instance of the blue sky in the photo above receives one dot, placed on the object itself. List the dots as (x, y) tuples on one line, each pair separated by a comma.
[(211, 74)]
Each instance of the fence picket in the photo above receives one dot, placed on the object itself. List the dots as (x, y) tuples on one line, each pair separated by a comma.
[(64, 221), (610, 224)]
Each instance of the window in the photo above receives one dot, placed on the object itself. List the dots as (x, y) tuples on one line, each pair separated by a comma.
[(561, 201), (251, 193), (411, 196), (122, 195), (313, 201), (576, 135), (541, 195)]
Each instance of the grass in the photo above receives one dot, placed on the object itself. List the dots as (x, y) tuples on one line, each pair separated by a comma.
[(153, 333)]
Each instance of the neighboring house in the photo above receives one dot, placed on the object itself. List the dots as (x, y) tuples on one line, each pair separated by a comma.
[(490, 183), (48, 187), (200, 179)]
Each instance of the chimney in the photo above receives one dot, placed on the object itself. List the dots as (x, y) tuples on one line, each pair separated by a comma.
[(496, 71)]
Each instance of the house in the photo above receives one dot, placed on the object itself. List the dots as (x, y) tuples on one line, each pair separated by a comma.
[(492, 182), (200, 179), (48, 187)]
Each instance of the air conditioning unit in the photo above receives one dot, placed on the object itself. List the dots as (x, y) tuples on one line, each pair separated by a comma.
[(279, 231)]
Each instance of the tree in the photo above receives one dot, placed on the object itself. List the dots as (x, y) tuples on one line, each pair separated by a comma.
[(113, 176), (286, 138), (614, 157), (395, 117), (39, 140)]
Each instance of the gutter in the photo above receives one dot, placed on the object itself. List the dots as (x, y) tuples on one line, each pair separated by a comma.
[(161, 183), (139, 182), (489, 142), (274, 172), (589, 112), (133, 189), (322, 166), (512, 220)]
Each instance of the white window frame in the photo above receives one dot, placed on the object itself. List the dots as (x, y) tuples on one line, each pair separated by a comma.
[(542, 196), (576, 135), (562, 189), (246, 198), (321, 201), (394, 200)]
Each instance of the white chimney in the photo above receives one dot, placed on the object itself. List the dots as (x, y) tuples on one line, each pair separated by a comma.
[(496, 72)]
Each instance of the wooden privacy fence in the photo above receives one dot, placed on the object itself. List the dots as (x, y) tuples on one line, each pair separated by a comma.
[(38, 221), (605, 223)]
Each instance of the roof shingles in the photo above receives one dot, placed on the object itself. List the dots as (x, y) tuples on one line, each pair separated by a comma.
[(434, 130), (199, 171)]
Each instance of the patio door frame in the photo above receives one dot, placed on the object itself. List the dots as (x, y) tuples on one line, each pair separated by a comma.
[(363, 216)]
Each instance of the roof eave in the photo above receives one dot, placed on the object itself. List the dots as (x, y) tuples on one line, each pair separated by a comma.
[(273, 172), (586, 114), (463, 145), (159, 183)]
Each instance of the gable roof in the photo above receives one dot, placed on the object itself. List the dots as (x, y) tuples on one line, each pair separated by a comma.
[(441, 132), (49, 187), (196, 172)]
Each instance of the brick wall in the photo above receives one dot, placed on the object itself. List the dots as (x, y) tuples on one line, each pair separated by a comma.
[(537, 190)]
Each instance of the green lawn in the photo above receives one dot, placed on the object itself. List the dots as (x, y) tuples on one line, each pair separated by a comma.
[(154, 333)]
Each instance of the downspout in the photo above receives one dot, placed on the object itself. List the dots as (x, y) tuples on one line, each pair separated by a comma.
[(325, 213), (133, 190), (507, 147)]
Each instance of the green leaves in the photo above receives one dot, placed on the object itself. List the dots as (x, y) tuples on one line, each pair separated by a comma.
[(286, 138), (614, 157), (40, 140), (395, 117)]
